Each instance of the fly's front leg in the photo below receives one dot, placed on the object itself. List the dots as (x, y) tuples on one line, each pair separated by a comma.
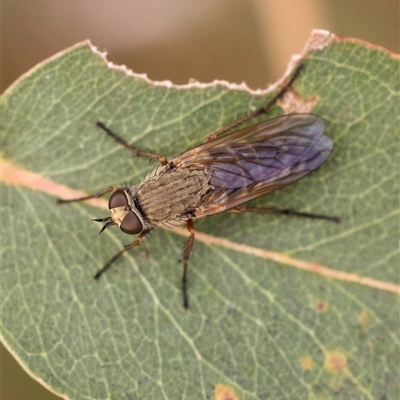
[(265, 210), (119, 254), (262, 110), (186, 254), (153, 156), (163, 160), (92, 196)]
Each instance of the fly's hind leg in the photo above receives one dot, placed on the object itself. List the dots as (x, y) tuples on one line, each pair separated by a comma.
[(265, 210), (262, 110), (186, 255)]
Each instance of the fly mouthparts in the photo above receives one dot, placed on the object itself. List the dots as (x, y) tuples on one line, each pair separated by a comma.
[(107, 223), (101, 219)]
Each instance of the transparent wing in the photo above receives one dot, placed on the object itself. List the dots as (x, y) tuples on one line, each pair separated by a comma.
[(258, 159)]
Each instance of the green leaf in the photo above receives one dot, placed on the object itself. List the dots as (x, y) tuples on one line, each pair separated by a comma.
[(280, 307)]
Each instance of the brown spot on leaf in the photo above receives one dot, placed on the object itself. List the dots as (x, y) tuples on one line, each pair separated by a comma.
[(223, 392), (363, 323), (144, 254), (322, 306), (306, 363), (364, 319), (336, 362), (293, 103)]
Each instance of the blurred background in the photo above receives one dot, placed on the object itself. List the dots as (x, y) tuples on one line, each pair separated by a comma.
[(233, 40)]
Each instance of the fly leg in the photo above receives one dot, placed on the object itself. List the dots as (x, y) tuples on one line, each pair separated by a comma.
[(186, 254), (265, 210), (153, 156), (143, 234), (119, 254), (260, 111), (92, 196), (133, 149)]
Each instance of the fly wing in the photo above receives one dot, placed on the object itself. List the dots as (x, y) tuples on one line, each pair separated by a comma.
[(258, 159)]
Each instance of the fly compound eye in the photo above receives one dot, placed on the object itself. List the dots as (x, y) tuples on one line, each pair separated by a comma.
[(118, 199), (131, 224)]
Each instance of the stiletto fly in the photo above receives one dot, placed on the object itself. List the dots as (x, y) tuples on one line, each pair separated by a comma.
[(224, 172)]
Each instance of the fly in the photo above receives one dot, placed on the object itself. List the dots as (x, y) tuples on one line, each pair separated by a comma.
[(226, 171)]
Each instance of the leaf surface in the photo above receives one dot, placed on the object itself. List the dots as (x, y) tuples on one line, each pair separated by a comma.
[(280, 307)]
